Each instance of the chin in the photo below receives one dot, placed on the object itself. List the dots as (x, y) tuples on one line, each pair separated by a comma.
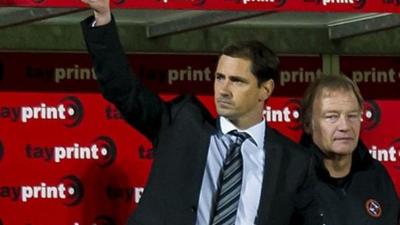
[(344, 150), (227, 116), (224, 113), (344, 147)]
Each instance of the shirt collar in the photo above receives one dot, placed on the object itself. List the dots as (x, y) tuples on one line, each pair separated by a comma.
[(256, 132)]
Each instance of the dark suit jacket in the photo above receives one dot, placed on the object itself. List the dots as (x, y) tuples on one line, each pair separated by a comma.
[(180, 132)]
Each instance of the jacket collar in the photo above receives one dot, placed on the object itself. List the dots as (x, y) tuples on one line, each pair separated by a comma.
[(361, 160), (257, 132)]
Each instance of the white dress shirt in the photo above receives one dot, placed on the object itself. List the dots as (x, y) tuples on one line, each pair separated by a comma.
[(253, 167)]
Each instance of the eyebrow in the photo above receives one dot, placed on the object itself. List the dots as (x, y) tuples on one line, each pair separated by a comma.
[(336, 111), (232, 77), (235, 77)]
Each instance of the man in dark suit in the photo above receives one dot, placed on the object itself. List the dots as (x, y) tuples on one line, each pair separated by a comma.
[(233, 170)]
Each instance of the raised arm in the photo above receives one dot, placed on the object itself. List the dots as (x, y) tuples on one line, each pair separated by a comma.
[(140, 107)]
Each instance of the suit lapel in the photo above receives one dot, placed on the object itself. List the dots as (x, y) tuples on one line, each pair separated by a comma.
[(272, 166), (201, 144)]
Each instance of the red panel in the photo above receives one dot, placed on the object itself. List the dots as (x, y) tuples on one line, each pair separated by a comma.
[(64, 148), (382, 136), (267, 5), (172, 73), (47, 153), (377, 76)]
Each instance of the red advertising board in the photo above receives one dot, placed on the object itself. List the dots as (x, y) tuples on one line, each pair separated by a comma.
[(75, 157), (242, 5), (382, 136), (167, 73), (64, 148), (377, 76), (65, 143)]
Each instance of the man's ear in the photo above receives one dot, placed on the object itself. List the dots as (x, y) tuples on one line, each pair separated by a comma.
[(267, 87)]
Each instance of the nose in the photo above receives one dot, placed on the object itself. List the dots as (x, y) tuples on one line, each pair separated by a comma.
[(224, 88), (343, 124)]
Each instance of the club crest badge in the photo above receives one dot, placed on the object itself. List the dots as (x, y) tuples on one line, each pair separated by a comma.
[(373, 208)]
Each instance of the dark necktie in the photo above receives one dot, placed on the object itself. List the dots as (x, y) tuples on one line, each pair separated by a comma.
[(228, 193)]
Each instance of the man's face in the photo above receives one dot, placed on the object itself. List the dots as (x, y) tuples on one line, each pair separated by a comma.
[(335, 122), (236, 93)]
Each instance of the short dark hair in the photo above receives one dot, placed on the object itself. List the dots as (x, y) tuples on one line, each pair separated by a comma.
[(264, 62), (329, 83)]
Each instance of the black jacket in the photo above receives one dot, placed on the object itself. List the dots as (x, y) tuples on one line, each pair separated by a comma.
[(366, 196), (180, 132)]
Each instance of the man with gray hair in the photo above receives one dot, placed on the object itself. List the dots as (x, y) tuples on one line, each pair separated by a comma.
[(352, 188)]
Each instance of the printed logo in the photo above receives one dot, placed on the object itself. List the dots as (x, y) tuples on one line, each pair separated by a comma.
[(108, 151), (389, 154), (299, 75), (61, 74), (69, 73), (374, 76), (357, 4), (1, 150), (103, 151), (294, 105), (371, 116), (75, 190), (189, 74), (193, 2), (75, 110), (373, 208), (69, 191), (290, 114), (69, 110)]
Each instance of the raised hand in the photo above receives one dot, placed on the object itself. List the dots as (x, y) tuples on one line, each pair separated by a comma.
[(102, 11)]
